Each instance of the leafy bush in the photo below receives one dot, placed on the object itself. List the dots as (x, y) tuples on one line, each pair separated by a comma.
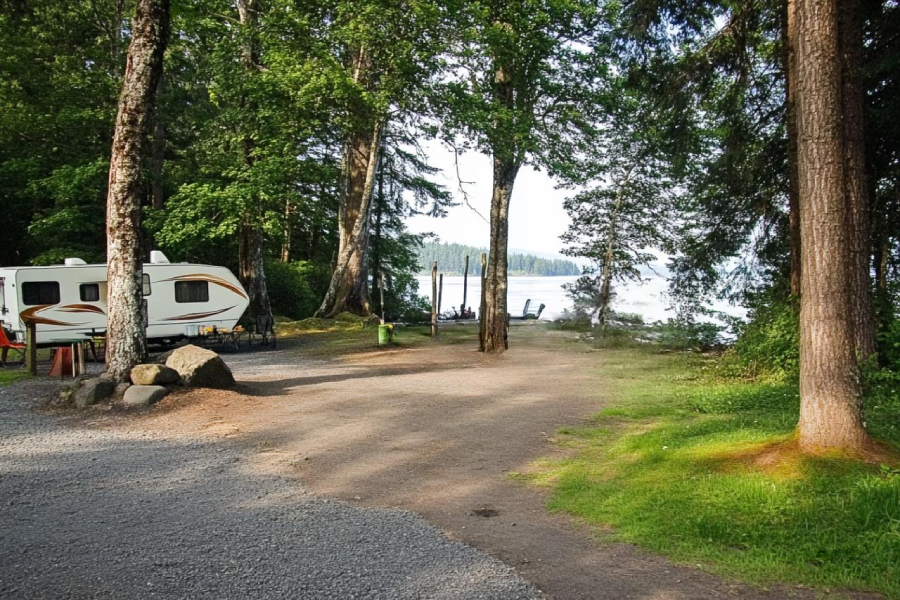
[(769, 344), (889, 345), (402, 302), (291, 289), (685, 334)]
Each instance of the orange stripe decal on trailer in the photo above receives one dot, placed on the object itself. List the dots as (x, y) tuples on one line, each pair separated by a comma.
[(31, 315), (82, 308), (192, 316)]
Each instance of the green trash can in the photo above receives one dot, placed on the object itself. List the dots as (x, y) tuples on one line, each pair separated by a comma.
[(385, 335)]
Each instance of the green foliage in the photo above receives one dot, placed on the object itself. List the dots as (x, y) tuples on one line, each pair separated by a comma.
[(889, 345), (702, 470), (290, 289), (548, 57), (769, 343)]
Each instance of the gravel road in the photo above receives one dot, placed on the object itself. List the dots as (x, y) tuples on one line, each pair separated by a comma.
[(116, 511)]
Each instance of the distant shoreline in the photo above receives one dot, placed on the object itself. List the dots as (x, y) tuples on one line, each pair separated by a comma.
[(454, 274)]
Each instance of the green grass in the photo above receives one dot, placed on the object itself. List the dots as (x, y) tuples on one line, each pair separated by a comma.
[(10, 374), (702, 470)]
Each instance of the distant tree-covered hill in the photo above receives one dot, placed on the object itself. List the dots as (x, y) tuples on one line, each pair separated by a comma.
[(451, 260)]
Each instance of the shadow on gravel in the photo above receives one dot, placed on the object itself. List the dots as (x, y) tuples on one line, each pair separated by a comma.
[(280, 387), (107, 514)]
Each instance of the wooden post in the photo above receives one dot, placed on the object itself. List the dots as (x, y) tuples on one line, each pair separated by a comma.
[(31, 347), (434, 299), (481, 321), (462, 310), (440, 292)]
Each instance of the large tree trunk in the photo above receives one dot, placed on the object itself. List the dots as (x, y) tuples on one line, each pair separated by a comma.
[(251, 254), (349, 287), (126, 336), (157, 193), (377, 278), (251, 270), (790, 94), (495, 308), (830, 392), (856, 188)]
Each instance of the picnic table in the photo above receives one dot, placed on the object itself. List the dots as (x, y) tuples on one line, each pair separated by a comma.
[(221, 338)]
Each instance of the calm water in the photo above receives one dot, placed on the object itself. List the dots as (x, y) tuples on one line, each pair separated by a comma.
[(547, 290), (647, 299)]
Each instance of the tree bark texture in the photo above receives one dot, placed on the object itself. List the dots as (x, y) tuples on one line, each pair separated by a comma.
[(856, 188), (482, 302), (251, 241), (376, 246), (496, 313), (349, 287), (830, 393), (157, 192), (790, 94), (251, 269), (126, 340)]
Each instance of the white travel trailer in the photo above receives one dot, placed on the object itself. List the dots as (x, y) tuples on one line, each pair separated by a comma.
[(67, 301)]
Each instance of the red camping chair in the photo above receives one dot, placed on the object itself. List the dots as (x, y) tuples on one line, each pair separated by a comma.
[(6, 346)]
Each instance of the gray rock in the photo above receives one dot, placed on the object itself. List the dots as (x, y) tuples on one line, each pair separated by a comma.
[(199, 367), (121, 388), (153, 375), (92, 391), (144, 395), (162, 358)]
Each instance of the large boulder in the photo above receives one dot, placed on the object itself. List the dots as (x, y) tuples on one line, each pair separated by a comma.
[(144, 395), (153, 375), (92, 391), (199, 367)]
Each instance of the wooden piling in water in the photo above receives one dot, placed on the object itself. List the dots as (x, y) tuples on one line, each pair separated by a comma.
[(462, 309), (434, 300)]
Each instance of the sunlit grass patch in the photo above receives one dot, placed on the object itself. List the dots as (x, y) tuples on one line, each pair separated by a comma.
[(324, 338), (707, 471), (10, 374)]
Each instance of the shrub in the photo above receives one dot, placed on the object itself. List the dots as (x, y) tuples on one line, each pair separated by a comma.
[(769, 343), (290, 289), (401, 299), (686, 334)]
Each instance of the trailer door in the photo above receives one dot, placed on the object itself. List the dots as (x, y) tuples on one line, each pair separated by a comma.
[(3, 309)]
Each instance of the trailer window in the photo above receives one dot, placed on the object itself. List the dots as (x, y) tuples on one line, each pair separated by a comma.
[(191, 291), (145, 280), (89, 292), (40, 292)]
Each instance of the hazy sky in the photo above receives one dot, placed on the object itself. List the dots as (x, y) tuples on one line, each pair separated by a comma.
[(536, 220)]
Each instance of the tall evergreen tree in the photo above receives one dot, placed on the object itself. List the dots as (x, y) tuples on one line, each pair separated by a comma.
[(830, 394), (389, 53)]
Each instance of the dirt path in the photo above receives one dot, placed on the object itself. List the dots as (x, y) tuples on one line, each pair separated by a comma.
[(437, 429)]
